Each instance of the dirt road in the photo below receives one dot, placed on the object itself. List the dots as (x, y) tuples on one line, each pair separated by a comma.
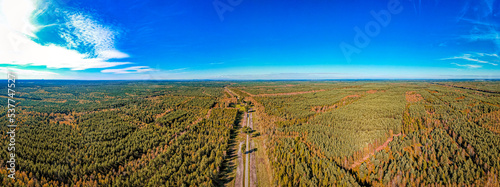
[(253, 168), (247, 160), (239, 170), (250, 170)]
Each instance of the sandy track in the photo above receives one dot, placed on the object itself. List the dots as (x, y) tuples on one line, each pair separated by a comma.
[(253, 169), (251, 166), (244, 120), (247, 150), (239, 170), (250, 123), (247, 160)]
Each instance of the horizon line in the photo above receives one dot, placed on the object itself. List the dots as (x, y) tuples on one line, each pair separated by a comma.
[(379, 79)]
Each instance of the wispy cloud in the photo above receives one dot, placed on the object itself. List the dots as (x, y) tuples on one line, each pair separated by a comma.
[(486, 54), (468, 65), (175, 70), (463, 11), (133, 69), (84, 30), (478, 22), (216, 63), (488, 34), (481, 18), (476, 57), (443, 44)]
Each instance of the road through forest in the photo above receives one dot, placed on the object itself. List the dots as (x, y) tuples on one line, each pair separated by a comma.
[(239, 170), (252, 166), (246, 174), (250, 169)]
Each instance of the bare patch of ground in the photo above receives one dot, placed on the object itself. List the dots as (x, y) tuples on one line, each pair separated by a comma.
[(413, 97)]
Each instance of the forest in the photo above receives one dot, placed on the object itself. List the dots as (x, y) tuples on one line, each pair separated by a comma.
[(380, 133), (311, 133), (120, 134)]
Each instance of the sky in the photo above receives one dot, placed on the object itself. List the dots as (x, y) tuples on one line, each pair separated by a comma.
[(250, 39)]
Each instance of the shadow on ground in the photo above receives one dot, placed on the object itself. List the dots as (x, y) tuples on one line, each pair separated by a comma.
[(228, 167)]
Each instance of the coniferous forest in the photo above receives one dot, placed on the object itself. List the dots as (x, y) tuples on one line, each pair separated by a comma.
[(305, 133)]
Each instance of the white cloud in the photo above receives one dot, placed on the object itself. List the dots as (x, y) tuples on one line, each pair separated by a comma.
[(18, 48), (29, 74), (53, 56), (112, 54), (16, 15), (468, 65), (133, 69)]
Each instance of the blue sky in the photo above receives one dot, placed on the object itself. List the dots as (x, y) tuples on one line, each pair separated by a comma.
[(250, 39)]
